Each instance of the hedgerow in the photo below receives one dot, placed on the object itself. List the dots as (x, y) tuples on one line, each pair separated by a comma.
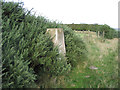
[(109, 32), (27, 50)]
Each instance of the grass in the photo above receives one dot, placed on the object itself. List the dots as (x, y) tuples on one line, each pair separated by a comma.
[(106, 74)]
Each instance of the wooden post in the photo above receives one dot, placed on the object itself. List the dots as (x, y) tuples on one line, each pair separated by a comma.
[(103, 34), (89, 33), (98, 34)]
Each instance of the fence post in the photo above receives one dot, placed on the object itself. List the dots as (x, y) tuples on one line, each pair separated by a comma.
[(103, 34), (98, 34)]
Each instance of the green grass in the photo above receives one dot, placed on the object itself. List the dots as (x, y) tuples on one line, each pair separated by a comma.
[(80, 34), (106, 76)]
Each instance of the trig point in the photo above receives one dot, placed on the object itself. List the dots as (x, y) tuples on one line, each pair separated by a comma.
[(58, 38)]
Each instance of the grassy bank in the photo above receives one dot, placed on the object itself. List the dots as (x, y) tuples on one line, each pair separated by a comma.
[(30, 60), (100, 70)]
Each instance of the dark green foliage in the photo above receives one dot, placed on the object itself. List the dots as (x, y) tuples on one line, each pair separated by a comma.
[(27, 50), (16, 72), (75, 47), (24, 41), (109, 32)]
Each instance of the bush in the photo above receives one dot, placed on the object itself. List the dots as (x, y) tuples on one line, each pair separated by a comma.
[(75, 47), (24, 41), (109, 32), (27, 50), (16, 72)]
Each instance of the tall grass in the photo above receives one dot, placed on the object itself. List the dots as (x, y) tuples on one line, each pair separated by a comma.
[(106, 74)]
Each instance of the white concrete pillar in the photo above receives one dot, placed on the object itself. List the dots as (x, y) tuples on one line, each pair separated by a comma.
[(58, 40)]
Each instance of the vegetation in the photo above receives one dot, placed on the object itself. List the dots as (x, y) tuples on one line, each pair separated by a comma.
[(28, 53), (103, 58), (30, 59), (109, 32)]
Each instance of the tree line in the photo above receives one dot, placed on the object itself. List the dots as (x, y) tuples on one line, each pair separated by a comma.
[(109, 32)]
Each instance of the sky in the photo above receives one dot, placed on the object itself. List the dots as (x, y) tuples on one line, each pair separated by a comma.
[(76, 11)]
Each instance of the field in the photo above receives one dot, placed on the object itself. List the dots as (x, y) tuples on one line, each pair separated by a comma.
[(30, 59), (100, 70)]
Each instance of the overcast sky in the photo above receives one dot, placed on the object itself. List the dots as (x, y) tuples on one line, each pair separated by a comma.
[(76, 11)]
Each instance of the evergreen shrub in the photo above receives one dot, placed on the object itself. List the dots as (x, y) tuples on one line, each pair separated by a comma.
[(75, 47), (27, 50)]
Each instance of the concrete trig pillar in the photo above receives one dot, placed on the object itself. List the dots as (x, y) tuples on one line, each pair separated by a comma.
[(58, 38)]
